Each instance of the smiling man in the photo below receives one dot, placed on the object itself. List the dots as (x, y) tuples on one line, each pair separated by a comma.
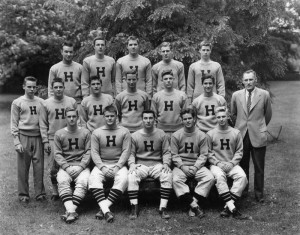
[(134, 61), (206, 104), (69, 70), (225, 153), (168, 63), (99, 65), (252, 109), (204, 66)]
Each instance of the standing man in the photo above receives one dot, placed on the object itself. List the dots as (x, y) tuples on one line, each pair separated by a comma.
[(68, 70), (206, 103), (168, 63), (99, 65), (52, 118), (204, 66), (253, 111), (72, 153), (110, 148), (134, 61), (225, 152), (92, 106), (150, 156), (189, 151), (25, 129), (168, 103), (131, 103)]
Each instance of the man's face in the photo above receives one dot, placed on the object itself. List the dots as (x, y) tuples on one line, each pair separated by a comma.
[(222, 118), (110, 118), (133, 47), (131, 80), (166, 53), (168, 81), (249, 81), (30, 88), (58, 89), (99, 47), (205, 52), (67, 53), (208, 85), (148, 120), (188, 120), (71, 118), (95, 86)]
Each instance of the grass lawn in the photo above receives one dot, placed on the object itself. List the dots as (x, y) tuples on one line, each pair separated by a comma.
[(280, 214)]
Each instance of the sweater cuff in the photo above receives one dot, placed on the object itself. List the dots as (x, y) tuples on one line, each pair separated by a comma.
[(16, 140), (65, 166)]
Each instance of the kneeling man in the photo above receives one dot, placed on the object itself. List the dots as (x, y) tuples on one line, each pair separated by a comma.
[(225, 153), (150, 156), (110, 148), (72, 152), (189, 151)]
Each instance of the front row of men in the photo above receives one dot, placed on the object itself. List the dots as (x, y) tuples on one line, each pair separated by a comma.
[(148, 153)]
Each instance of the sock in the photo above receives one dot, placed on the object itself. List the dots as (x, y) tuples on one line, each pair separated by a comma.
[(163, 203), (164, 195), (113, 195), (76, 200), (69, 206), (98, 194), (194, 204), (104, 207), (230, 205), (234, 197), (200, 200), (133, 196), (186, 199)]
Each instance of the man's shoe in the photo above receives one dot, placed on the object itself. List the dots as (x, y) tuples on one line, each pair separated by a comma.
[(164, 214), (65, 216), (72, 216), (41, 198), (134, 212), (109, 217), (24, 199), (238, 215), (225, 213), (99, 215), (198, 211), (191, 213), (54, 197)]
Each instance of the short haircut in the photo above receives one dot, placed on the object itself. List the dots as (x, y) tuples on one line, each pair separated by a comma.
[(132, 71), (206, 44), (207, 76), (57, 79), (221, 109), (98, 38), (190, 110), (110, 108), (29, 78), (92, 78), (133, 38), (148, 111), (167, 72), (67, 43), (250, 71), (70, 110), (166, 44)]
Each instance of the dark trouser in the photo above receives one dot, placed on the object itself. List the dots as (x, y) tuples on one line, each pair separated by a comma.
[(258, 158)]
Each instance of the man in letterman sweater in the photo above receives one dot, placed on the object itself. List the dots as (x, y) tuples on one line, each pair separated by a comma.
[(68, 70), (52, 118), (150, 156), (225, 153), (110, 149), (99, 65), (92, 106), (189, 151), (206, 103), (137, 62), (168, 103), (25, 129), (131, 103), (72, 152), (204, 66)]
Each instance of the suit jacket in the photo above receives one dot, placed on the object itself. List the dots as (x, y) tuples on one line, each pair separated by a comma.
[(257, 119)]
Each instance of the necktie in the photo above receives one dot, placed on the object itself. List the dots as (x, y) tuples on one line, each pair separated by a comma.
[(249, 102)]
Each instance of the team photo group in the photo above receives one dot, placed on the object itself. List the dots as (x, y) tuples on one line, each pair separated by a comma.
[(127, 120)]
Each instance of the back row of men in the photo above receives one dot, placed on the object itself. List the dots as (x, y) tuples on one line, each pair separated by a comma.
[(33, 117)]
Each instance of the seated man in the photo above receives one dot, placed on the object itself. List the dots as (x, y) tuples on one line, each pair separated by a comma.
[(225, 153), (189, 151), (150, 156), (110, 148), (72, 152)]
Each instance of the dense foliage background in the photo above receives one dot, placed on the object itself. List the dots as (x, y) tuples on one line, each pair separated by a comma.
[(246, 34)]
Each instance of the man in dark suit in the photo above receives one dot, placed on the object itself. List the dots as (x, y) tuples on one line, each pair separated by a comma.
[(252, 108)]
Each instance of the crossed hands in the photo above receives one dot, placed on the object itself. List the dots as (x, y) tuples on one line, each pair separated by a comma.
[(190, 171), (74, 171), (111, 171), (225, 166)]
